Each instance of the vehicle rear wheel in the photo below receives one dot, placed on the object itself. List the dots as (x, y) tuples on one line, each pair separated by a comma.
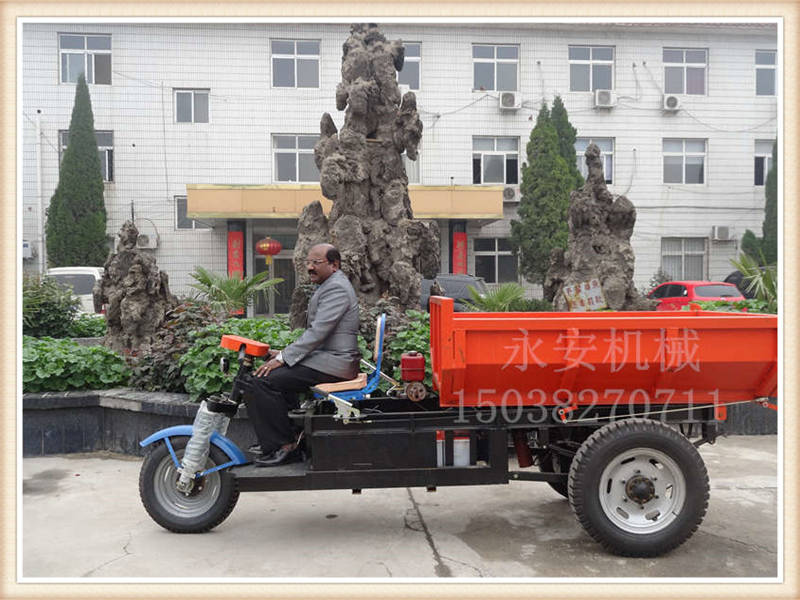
[(209, 503), (638, 487)]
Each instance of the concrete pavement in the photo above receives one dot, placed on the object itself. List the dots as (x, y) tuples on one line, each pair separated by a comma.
[(82, 517)]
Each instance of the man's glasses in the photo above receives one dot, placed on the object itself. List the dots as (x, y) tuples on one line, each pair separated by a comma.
[(317, 261)]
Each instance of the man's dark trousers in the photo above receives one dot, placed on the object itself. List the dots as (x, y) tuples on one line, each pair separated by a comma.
[(270, 399)]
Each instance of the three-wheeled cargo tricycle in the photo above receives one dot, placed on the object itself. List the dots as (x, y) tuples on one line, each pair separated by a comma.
[(605, 404)]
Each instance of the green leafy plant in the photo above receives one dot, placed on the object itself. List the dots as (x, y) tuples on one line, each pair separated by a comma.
[(158, 369), (415, 337), (86, 325), (750, 306), (532, 305), (51, 365), (231, 293), (200, 364), (47, 307), (760, 280), (500, 299), (76, 218)]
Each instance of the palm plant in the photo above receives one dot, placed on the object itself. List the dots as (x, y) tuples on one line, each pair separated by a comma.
[(760, 280), (230, 293), (500, 299)]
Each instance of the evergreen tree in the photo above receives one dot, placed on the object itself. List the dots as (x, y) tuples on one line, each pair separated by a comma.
[(769, 243), (544, 205), (566, 139), (76, 219)]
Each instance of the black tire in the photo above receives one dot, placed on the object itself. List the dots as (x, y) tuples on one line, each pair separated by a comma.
[(638, 487), (209, 503), (556, 463)]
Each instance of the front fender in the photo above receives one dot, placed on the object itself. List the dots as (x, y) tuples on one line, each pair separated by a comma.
[(225, 444)]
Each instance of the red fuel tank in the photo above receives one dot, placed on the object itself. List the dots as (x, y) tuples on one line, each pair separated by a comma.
[(412, 366)]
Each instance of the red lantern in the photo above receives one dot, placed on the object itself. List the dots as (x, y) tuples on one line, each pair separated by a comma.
[(268, 247)]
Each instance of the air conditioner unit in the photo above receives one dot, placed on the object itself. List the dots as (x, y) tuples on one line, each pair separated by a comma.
[(672, 102), (511, 193), (604, 99), (509, 101), (144, 241), (720, 232), (27, 250)]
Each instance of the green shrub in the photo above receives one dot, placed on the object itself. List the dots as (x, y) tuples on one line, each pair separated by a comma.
[(200, 364), (416, 337), (51, 365), (750, 306), (47, 307), (158, 369), (86, 325), (532, 305)]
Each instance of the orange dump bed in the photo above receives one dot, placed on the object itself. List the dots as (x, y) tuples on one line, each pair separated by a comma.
[(605, 358), (235, 342)]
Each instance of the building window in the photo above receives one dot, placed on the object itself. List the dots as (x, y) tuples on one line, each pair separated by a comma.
[(184, 222), (683, 258), (88, 54), (591, 68), (763, 161), (494, 260), (684, 161), (409, 74), (105, 150), (294, 158), (495, 67), (765, 72), (685, 71), (495, 160), (606, 146), (412, 168), (191, 106), (295, 63)]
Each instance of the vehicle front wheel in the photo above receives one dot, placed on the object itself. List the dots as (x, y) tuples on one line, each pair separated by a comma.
[(208, 504), (638, 487)]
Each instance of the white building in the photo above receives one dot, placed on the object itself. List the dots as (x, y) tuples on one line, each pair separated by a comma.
[(227, 115)]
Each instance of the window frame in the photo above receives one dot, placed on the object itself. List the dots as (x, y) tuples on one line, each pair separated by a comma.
[(195, 227), (683, 254), (495, 61), (683, 154), (767, 156), (86, 52), (773, 67), (106, 151), (193, 92), (685, 65), (591, 61), (496, 254), (504, 153), (295, 56), (582, 164), (415, 59), (296, 151)]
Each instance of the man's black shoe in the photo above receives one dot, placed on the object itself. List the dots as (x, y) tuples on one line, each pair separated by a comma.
[(281, 456)]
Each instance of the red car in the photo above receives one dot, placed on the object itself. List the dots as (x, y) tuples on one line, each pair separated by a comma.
[(676, 294)]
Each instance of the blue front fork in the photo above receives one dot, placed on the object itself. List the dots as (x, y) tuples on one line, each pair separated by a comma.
[(230, 449)]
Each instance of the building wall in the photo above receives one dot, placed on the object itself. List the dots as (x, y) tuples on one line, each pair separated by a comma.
[(155, 157)]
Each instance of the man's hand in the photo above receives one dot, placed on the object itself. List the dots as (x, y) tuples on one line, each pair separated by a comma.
[(272, 363)]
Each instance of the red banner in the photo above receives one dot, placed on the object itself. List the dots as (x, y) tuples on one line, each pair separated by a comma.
[(460, 252), (236, 253)]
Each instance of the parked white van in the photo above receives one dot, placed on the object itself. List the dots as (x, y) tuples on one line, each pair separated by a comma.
[(81, 280)]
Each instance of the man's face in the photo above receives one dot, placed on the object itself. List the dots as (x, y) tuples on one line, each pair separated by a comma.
[(319, 269)]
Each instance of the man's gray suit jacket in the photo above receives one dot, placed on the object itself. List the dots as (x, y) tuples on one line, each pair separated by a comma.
[(329, 343)]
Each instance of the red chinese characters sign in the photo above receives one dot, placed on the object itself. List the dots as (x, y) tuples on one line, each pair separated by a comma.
[(236, 253), (460, 253)]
